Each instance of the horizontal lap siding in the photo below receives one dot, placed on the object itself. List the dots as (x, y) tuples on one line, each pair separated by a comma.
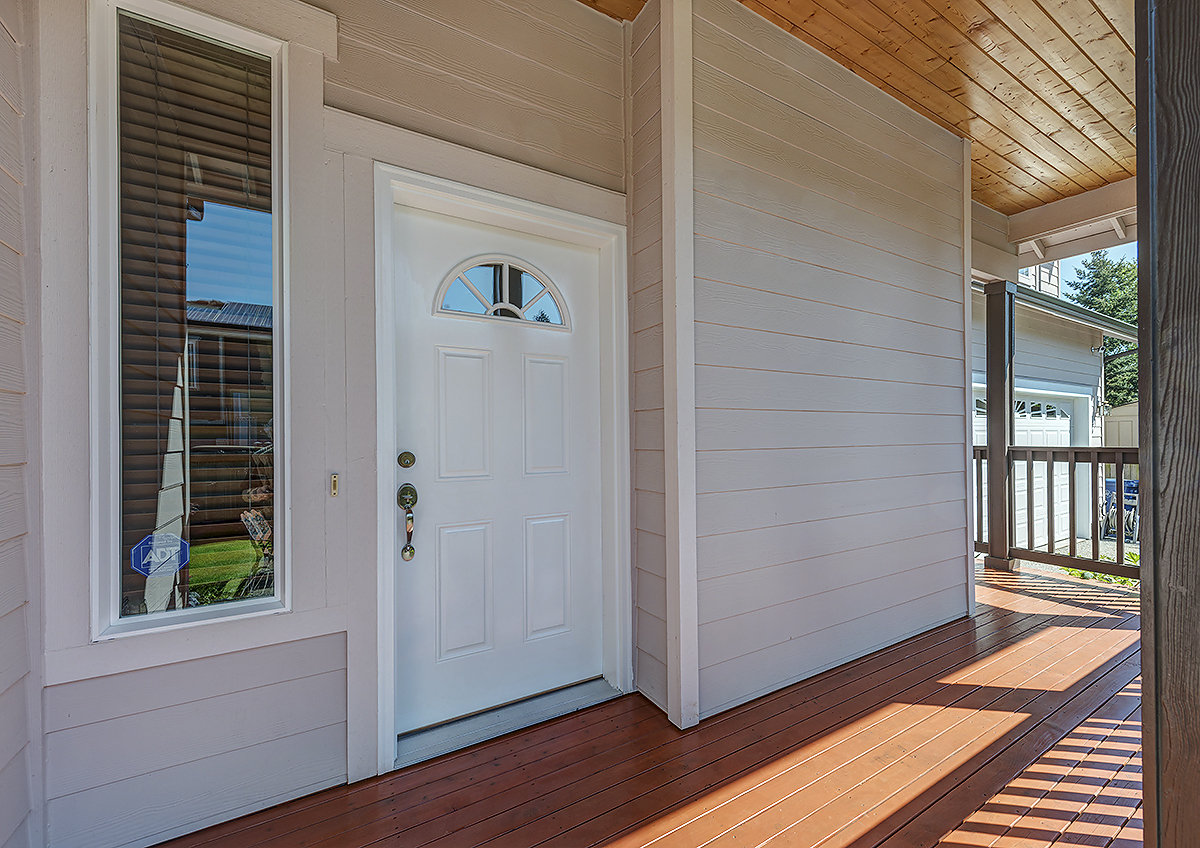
[(991, 254), (16, 754), (536, 82), (646, 326), (1048, 349), (990, 227), (195, 742), (829, 362)]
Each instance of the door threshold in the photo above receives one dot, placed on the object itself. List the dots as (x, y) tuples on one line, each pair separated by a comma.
[(429, 742)]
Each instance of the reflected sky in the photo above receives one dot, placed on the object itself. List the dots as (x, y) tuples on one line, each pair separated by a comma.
[(229, 255)]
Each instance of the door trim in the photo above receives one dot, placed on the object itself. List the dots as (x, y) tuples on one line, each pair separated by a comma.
[(397, 185)]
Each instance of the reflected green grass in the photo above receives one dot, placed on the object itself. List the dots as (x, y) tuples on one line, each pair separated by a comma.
[(216, 569)]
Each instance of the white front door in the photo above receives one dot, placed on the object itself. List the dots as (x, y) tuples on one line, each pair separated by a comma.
[(502, 598)]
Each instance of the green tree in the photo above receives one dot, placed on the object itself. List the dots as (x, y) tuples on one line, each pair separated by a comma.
[(1110, 287)]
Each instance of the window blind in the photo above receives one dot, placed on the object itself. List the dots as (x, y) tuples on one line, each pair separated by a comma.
[(197, 366)]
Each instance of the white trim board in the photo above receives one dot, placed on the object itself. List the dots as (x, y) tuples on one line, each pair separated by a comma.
[(1062, 216), (1095, 220), (1038, 387), (679, 361), (395, 185), (969, 246)]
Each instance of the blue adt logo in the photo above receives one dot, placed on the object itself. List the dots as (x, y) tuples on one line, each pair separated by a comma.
[(160, 554)]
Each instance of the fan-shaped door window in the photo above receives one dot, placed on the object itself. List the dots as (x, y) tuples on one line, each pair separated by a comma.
[(502, 287)]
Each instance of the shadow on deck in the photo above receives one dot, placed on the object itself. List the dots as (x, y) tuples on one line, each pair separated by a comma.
[(1018, 727)]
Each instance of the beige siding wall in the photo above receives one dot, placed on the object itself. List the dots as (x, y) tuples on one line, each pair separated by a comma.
[(646, 326), (991, 228), (17, 684), (829, 372), (538, 83), (196, 742), (158, 734)]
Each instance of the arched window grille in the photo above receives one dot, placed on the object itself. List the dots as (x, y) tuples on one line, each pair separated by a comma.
[(502, 287)]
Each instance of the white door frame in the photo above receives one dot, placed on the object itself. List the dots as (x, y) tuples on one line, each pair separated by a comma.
[(397, 185)]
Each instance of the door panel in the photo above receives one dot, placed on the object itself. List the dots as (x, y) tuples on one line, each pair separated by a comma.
[(547, 575), (464, 413), (464, 590), (547, 434)]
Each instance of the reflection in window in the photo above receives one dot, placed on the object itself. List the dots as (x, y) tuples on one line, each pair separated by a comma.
[(1033, 409), (197, 297), (504, 290), (1028, 409)]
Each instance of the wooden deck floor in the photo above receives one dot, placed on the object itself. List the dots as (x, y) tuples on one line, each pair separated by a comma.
[(1015, 728)]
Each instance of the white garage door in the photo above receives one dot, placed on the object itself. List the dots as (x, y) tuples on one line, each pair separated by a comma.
[(1040, 421)]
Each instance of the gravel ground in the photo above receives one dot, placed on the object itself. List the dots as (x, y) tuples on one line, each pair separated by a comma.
[(1083, 548), (1108, 548)]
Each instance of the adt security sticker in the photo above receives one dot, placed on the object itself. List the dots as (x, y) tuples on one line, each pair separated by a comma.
[(160, 554)]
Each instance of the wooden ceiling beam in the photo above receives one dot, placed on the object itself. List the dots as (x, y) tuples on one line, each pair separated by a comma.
[(1112, 201)]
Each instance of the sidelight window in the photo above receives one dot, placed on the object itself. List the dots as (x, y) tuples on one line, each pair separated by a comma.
[(196, 284)]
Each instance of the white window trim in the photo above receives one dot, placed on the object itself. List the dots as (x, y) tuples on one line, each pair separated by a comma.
[(104, 302)]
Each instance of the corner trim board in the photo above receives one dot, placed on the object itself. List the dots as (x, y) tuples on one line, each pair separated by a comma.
[(679, 362), (969, 400)]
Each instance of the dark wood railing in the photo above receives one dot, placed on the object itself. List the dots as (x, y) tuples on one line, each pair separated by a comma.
[(1086, 470)]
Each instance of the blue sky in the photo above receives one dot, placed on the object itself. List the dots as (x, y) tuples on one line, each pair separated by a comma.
[(1068, 267)]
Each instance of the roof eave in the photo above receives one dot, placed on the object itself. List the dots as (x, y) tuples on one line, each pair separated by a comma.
[(1074, 312)]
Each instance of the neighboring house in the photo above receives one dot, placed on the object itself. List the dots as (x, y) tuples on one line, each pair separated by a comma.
[(1058, 388), (1046, 277), (635, 354)]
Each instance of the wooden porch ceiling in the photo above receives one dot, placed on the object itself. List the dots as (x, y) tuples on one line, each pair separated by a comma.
[(1044, 88), (1016, 728)]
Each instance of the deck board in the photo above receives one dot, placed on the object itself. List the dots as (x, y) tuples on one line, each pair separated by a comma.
[(1014, 726)]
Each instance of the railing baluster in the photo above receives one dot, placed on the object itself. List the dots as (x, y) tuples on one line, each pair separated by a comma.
[(1071, 504), (1094, 483), (1119, 503), (978, 496), (1077, 460), (1029, 538), (1050, 501)]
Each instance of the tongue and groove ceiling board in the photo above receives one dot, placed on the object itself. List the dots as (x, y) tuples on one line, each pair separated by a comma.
[(1044, 88)]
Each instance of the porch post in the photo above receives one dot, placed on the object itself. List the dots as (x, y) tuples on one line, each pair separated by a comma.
[(1168, 150), (1000, 299)]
